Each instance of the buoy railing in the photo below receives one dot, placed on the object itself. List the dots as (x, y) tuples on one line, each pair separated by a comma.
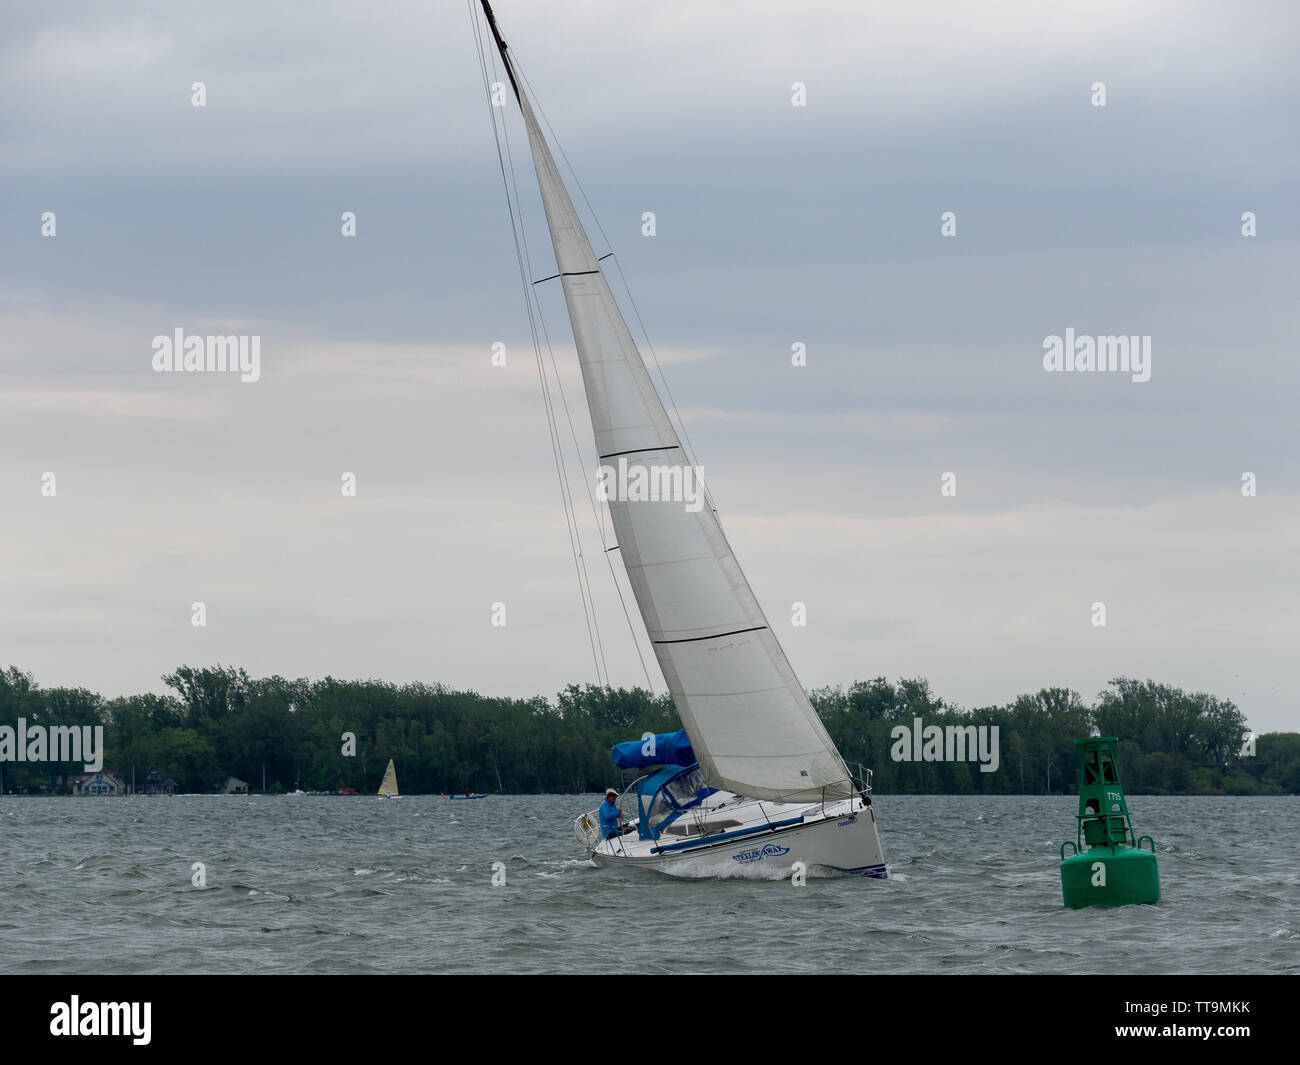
[(1098, 829)]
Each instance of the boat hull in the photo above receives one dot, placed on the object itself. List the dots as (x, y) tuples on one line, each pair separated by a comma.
[(843, 843)]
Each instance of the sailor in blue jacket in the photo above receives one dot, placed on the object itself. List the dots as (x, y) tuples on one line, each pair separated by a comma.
[(609, 815)]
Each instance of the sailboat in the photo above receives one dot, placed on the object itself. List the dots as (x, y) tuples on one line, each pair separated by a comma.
[(765, 788), (388, 787)]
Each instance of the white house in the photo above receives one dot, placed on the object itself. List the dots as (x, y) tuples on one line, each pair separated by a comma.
[(102, 783)]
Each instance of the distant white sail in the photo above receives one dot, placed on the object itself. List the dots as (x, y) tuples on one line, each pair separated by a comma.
[(389, 785), (749, 720)]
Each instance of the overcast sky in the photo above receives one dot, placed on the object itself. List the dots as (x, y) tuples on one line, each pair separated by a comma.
[(775, 224)]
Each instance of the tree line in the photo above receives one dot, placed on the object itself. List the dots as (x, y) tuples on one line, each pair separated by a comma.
[(218, 722)]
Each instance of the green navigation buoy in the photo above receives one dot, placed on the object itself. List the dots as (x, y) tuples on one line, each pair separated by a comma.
[(1116, 869)]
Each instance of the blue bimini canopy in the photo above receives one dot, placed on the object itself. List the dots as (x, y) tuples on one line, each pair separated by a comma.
[(666, 748)]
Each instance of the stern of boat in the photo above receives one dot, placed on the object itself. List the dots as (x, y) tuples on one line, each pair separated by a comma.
[(587, 829)]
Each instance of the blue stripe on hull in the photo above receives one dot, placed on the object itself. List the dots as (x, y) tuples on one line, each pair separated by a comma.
[(709, 841)]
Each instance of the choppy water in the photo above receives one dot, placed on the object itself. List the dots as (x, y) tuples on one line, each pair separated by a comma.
[(355, 885)]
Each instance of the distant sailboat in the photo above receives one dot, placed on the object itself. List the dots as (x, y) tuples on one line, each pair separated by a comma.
[(388, 789), (761, 784)]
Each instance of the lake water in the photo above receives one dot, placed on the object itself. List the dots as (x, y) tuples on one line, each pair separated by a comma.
[(313, 884)]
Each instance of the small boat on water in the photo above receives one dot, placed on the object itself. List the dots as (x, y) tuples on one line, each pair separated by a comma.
[(388, 789)]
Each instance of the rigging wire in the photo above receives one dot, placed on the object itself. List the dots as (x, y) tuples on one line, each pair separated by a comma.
[(575, 545), (567, 486), (597, 514), (531, 300)]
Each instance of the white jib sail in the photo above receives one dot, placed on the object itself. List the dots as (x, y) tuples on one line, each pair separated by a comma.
[(749, 720)]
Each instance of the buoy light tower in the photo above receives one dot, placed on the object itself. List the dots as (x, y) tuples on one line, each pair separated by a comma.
[(1115, 869)]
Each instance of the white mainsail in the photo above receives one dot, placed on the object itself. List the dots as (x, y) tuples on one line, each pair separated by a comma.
[(750, 722), (389, 784)]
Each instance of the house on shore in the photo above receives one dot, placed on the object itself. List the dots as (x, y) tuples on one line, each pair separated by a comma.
[(101, 783), (235, 786), (156, 784)]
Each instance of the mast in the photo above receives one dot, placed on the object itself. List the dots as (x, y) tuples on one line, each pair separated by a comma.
[(751, 725), (501, 47)]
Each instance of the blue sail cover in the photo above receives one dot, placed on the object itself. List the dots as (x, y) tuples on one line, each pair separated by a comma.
[(669, 748)]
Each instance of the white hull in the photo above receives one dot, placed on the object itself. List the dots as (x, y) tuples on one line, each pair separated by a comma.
[(838, 838)]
